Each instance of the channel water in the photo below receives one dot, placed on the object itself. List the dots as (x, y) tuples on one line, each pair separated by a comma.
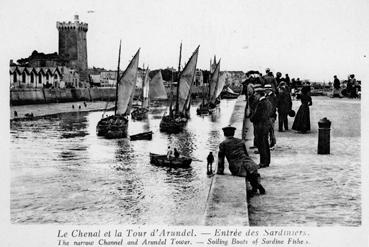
[(61, 172)]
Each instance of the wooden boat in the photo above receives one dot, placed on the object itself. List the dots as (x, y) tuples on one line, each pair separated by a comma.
[(162, 160), (142, 136), (211, 99), (228, 93), (139, 113), (115, 126), (176, 120)]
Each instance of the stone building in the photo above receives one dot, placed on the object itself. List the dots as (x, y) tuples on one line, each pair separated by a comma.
[(73, 45), (43, 77)]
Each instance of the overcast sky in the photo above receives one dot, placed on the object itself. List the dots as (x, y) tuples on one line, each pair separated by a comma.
[(312, 39)]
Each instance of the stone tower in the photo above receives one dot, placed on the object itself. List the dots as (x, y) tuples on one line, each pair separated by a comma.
[(73, 45)]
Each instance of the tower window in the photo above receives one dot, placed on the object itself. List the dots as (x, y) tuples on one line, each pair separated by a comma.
[(24, 77)]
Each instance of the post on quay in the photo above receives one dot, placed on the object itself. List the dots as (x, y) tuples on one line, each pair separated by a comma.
[(324, 136)]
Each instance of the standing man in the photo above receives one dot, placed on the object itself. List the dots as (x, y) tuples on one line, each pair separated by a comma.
[(336, 87), (240, 163), (284, 105), (268, 78), (261, 120), (273, 114)]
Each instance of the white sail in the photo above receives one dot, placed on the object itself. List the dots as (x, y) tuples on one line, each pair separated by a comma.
[(221, 83), (126, 86), (186, 80), (214, 83), (157, 88), (145, 89)]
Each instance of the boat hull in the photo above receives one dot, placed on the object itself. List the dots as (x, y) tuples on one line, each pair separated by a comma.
[(228, 95), (171, 125), (112, 127), (142, 136), (139, 113), (162, 160)]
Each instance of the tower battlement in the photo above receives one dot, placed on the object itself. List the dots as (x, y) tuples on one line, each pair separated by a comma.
[(72, 25)]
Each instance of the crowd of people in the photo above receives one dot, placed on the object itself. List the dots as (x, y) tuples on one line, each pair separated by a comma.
[(350, 88), (268, 97)]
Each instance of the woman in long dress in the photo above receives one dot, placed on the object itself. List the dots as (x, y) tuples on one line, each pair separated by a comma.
[(302, 119)]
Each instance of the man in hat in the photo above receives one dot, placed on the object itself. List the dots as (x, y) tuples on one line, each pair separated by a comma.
[(284, 105), (253, 101), (240, 163), (262, 124), (270, 95), (269, 79)]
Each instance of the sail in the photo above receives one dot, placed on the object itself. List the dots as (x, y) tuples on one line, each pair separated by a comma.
[(145, 90), (186, 80), (126, 86), (221, 83), (214, 81), (157, 88)]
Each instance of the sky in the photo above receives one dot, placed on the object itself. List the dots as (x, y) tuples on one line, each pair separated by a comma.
[(309, 39)]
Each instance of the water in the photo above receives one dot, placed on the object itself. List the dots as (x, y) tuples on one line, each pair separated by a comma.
[(61, 172)]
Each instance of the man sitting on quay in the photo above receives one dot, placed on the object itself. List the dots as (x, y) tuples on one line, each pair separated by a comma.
[(240, 164)]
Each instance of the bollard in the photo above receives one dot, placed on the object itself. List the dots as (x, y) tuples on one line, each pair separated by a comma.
[(324, 136)]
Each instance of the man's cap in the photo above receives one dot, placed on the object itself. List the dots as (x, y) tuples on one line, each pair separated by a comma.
[(228, 128), (267, 70)]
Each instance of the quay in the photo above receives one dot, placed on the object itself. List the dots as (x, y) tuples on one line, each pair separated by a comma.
[(317, 187), (227, 200)]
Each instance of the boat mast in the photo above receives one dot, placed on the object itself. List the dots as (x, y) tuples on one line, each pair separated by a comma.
[(179, 78), (118, 79)]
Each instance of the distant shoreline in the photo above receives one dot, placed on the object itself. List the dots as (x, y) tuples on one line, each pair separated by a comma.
[(52, 110)]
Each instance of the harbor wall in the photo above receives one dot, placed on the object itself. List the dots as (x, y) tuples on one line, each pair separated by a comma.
[(27, 96)]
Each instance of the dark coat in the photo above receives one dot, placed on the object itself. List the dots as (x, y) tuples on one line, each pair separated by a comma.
[(240, 164), (273, 100), (261, 116), (284, 103)]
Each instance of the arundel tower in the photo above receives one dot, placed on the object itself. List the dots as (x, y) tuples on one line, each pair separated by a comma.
[(73, 45)]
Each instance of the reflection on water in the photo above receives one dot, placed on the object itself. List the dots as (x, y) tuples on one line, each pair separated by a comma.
[(61, 172)]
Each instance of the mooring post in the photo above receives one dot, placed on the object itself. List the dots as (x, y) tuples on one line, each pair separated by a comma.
[(324, 136)]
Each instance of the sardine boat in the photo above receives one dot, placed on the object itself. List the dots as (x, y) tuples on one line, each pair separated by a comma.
[(116, 126), (212, 97), (177, 118), (163, 160), (228, 93), (140, 112), (142, 136)]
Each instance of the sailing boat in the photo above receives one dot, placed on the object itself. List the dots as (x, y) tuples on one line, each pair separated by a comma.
[(156, 88), (140, 112), (115, 126), (212, 96), (177, 118)]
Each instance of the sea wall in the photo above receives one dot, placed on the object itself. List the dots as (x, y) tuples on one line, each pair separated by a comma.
[(27, 96)]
